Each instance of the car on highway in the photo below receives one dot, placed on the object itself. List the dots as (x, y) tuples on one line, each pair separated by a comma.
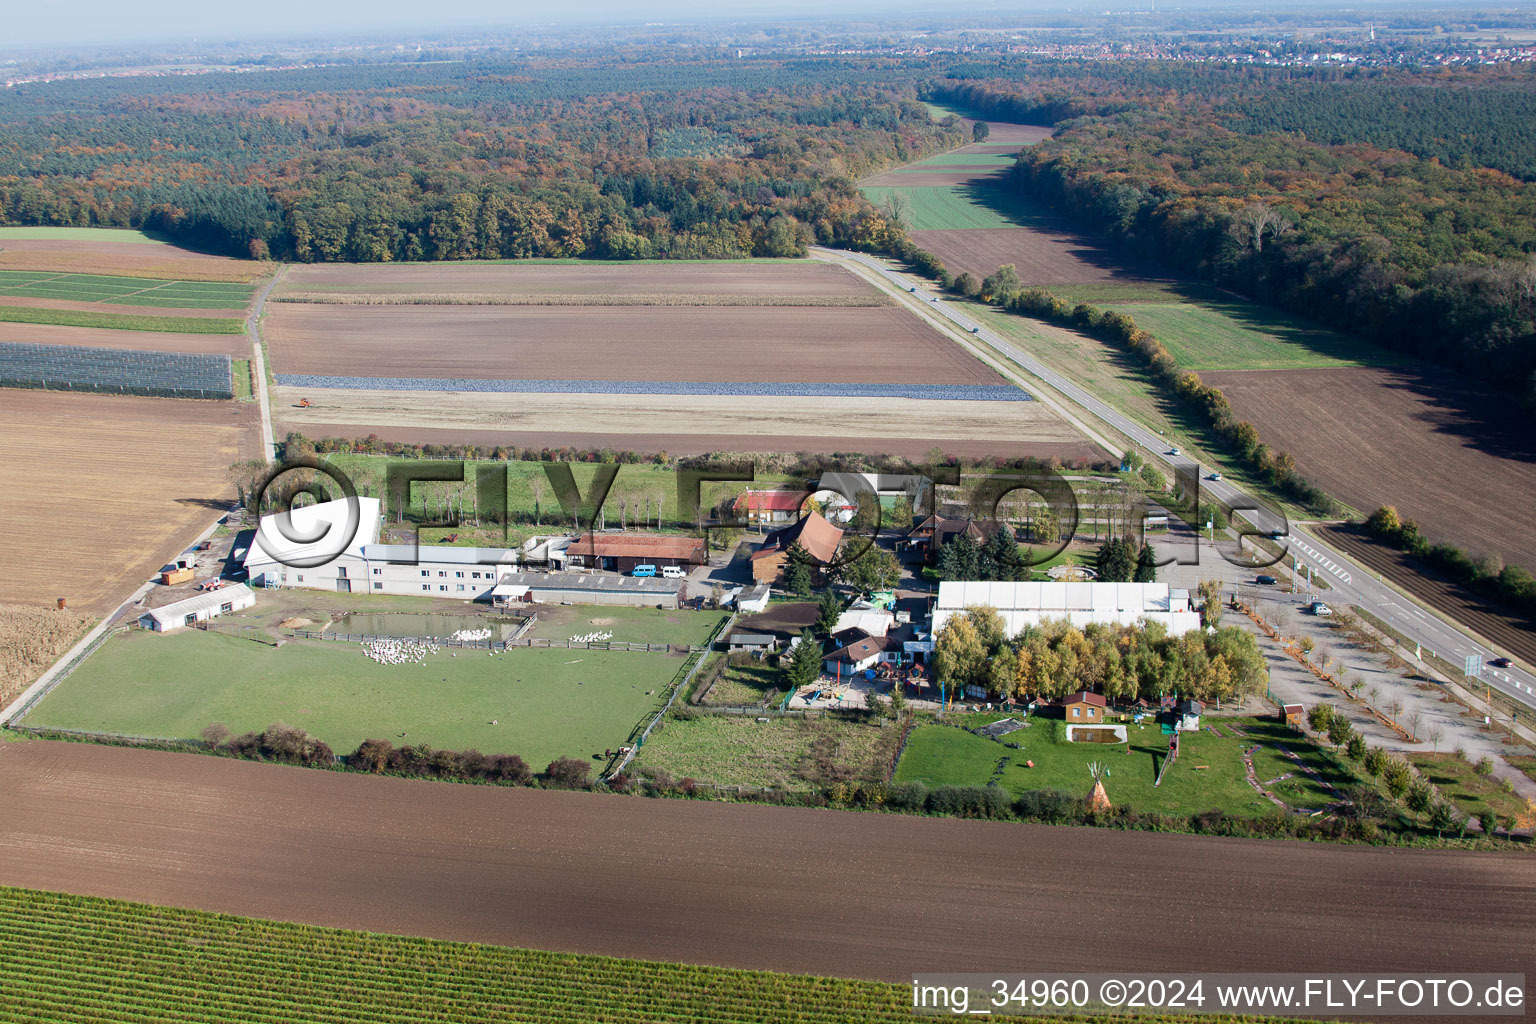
[(1174, 451), (1500, 663), (975, 330), (1213, 476), (1267, 581)]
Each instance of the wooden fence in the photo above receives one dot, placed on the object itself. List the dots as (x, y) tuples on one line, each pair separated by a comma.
[(679, 684), (501, 645), (64, 672)]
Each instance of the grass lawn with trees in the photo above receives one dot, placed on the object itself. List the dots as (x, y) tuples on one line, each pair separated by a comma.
[(945, 755), (1472, 793), (549, 702)]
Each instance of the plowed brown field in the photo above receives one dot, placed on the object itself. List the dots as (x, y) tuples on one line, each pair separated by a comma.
[(862, 424), (1052, 252), (734, 281), (725, 343), (145, 341), (1514, 633), (734, 884), (700, 443), (91, 255), (102, 489), (1456, 458)]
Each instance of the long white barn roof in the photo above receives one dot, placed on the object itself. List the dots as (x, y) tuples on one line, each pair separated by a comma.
[(270, 546), (1030, 603), (175, 612)]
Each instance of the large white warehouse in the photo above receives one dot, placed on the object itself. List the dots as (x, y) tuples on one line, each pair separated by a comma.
[(1029, 604)]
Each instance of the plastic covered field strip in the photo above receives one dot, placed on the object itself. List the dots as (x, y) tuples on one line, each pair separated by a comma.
[(931, 392), (77, 367)]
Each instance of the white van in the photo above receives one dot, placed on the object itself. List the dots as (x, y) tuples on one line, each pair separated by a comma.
[(673, 572)]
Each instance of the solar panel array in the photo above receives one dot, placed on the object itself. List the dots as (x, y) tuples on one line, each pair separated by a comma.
[(115, 371)]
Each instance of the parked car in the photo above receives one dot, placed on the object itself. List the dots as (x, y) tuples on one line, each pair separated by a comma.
[(1267, 581), (1318, 608), (673, 572), (643, 570), (1500, 663)]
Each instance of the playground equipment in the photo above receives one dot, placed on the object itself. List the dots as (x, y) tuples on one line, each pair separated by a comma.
[(1098, 799), (1173, 755)]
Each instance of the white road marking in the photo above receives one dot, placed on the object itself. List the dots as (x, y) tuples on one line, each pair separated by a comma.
[(1318, 557)]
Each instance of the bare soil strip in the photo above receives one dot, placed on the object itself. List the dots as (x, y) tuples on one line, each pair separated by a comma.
[(104, 488), (144, 341), (733, 884), (855, 419), (1054, 254), (874, 345), (679, 445), (1448, 454), (595, 281), (131, 259)]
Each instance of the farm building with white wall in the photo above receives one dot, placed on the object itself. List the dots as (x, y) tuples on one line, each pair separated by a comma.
[(364, 566), (1029, 604), (198, 608), (583, 588)]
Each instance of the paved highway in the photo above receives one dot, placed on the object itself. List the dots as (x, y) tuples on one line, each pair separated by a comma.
[(1349, 583)]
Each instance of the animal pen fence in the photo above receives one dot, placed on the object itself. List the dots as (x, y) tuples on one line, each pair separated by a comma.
[(500, 645)]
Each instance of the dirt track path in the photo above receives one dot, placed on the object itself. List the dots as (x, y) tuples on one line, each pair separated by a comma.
[(815, 891)]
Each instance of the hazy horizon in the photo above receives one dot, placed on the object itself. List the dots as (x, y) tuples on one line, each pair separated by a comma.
[(98, 22)]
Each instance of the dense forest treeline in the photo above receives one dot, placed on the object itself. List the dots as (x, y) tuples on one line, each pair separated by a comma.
[(1405, 251), (1462, 117), (468, 160)]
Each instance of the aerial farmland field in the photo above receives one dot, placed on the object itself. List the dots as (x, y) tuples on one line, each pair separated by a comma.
[(697, 881), (117, 251), (748, 356), (208, 967), (957, 206), (746, 283), (1447, 453), (105, 337), (111, 486), (657, 343)]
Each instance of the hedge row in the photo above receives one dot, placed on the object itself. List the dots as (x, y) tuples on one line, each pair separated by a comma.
[(1511, 584), (1278, 467), (1120, 330)]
